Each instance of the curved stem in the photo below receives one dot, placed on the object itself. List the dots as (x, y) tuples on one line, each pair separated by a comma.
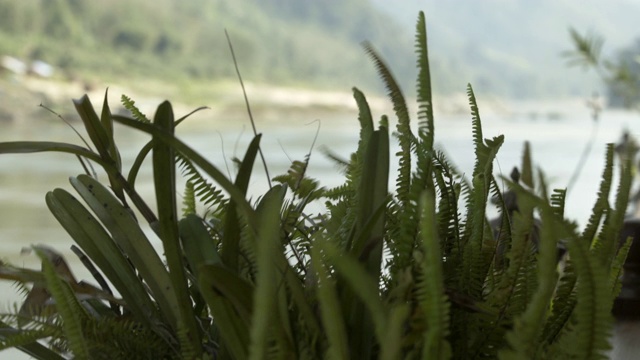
[(595, 115)]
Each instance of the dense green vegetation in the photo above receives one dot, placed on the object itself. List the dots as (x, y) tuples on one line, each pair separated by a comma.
[(276, 41), (623, 77), (620, 73), (391, 271)]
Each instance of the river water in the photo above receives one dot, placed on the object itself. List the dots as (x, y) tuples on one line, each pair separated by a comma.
[(557, 139)]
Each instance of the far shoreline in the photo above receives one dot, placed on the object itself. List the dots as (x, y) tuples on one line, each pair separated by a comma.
[(20, 97)]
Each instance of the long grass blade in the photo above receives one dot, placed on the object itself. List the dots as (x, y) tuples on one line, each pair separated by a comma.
[(164, 175), (230, 247), (268, 245)]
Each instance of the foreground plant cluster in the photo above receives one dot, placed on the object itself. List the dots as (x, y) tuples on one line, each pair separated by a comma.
[(415, 271)]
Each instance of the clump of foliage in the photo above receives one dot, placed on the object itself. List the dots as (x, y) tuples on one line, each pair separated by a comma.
[(412, 271), (620, 74)]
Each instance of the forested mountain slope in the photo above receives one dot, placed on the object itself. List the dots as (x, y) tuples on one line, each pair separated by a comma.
[(513, 47), (277, 41)]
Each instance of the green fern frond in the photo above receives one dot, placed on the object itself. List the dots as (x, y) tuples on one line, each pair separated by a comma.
[(296, 179), (208, 194), (608, 240), (476, 127), (602, 202), (448, 216), (474, 259), (515, 277), (131, 106), (562, 304), (21, 288), (587, 50), (38, 329), (338, 161), (339, 192), (127, 340), (529, 326), (71, 312), (503, 240), (404, 134), (557, 201), (617, 269), (526, 171), (430, 289), (343, 215), (188, 199), (331, 314), (425, 102), (187, 351), (588, 337)]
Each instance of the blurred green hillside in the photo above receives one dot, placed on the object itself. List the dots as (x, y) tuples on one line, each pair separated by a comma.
[(284, 42), (513, 48), (508, 48)]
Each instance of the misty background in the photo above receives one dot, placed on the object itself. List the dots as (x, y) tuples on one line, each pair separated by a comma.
[(505, 48)]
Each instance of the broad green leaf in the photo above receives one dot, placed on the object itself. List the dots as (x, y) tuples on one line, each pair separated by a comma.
[(232, 329), (230, 286), (268, 245), (98, 245), (26, 147), (391, 347), (230, 247), (372, 196), (126, 232), (164, 176), (197, 243), (330, 310), (94, 127), (362, 283), (107, 125)]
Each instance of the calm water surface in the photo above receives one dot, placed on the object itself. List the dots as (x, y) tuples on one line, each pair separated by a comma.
[(24, 179)]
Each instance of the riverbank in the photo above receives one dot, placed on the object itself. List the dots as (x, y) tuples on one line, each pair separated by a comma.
[(21, 97)]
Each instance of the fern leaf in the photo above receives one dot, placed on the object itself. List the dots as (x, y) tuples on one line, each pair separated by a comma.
[(406, 237), (131, 106), (331, 313), (587, 50), (617, 268), (188, 200), (588, 337), (602, 202), (562, 305), (608, 240), (526, 176), (203, 189), (67, 305), (557, 201), (524, 339), (431, 295), (405, 135), (448, 217), (425, 102)]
